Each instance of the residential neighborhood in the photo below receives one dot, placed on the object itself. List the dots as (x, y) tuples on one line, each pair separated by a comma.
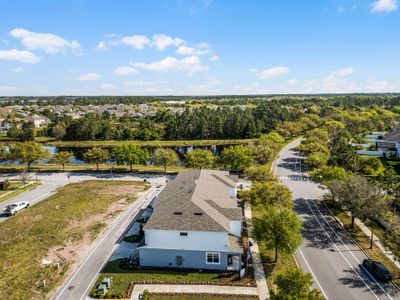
[(200, 150)]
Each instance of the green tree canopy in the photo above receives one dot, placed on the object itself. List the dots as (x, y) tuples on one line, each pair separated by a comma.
[(199, 159), (294, 284), (3, 153), (259, 173), (237, 158), (165, 157), (271, 194), (27, 152), (328, 173), (96, 156), (361, 197), (62, 158), (130, 154), (279, 229), (317, 159)]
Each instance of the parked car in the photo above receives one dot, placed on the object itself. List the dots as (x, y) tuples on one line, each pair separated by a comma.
[(377, 269), (12, 209)]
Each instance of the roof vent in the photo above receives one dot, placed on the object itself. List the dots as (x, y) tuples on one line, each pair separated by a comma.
[(198, 213), (177, 213)]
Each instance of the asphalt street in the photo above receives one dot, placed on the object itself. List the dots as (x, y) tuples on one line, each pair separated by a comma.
[(328, 253)]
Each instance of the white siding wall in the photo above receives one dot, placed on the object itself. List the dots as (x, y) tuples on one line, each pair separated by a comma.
[(235, 228), (195, 240), (233, 192)]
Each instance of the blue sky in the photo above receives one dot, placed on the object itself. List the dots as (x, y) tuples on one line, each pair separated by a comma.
[(198, 47)]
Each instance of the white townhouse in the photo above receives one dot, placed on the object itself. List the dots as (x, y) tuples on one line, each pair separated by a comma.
[(196, 224)]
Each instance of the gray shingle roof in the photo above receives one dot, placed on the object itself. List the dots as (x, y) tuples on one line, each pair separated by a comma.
[(393, 136), (197, 200)]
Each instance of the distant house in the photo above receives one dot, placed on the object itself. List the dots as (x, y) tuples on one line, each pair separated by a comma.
[(3, 125), (39, 121), (390, 143), (196, 224)]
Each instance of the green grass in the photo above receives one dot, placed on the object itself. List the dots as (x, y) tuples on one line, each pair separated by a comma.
[(364, 241), (19, 191), (62, 219), (271, 268), (155, 144), (12, 186), (200, 297), (122, 278)]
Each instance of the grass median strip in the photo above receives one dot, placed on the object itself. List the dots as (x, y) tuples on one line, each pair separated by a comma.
[(364, 241), (271, 268), (56, 230)]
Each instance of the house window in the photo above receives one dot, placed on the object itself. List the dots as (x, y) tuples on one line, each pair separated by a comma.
[(183, 234), (179, 260), (212, 257)]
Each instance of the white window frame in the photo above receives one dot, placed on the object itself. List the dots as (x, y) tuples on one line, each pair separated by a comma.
[(213, 263)]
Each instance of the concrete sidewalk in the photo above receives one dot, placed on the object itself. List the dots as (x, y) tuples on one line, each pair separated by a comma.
[(263, 292), (192, 289), (378, 243), (12, 191)]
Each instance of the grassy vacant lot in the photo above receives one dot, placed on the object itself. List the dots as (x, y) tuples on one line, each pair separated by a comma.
[(90, 168), (122, 278), (195, 297), (272, 269), (15, 187), (154, 144), (364, 241), (71, 218)]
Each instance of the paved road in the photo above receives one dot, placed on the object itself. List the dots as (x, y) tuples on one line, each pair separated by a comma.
[(328, 253), (81, 280), (52, 181)]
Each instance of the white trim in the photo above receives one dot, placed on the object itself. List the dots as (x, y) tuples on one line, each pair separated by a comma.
[(213, 263)]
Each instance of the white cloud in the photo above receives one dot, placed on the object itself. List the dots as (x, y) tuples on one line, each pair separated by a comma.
[(162, 41), (185, 50), (88, 77), (377, 86), (108, 87), (190, 64), (292, 82), (214, 58), (125, 70), (341, 72), (269, 73), (136, 41), (101, 46), (18, 69), (23, 56), (72, 70), (48, 42), (384, 6)]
